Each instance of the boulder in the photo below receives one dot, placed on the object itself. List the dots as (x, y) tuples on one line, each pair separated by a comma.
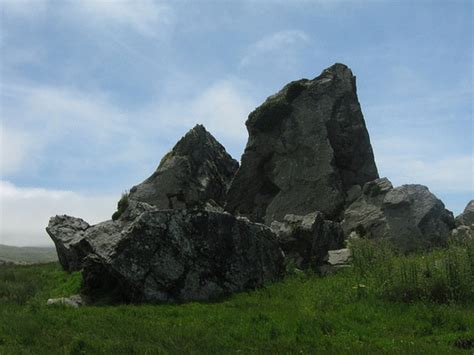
[(67, 234), (339, 258), (152, 255), (195, 173), (462, 234), (467, 217), (308, 147), (409, 216), (307, 239)]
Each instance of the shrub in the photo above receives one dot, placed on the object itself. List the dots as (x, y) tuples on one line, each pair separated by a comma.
[(445, 275), (121, 206)]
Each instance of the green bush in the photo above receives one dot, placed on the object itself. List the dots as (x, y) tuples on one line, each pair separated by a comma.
[(444, 275), (121, 206)]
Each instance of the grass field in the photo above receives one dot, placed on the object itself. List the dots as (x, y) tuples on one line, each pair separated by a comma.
[(302, 314)]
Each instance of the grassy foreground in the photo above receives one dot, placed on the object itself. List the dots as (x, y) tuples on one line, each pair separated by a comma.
[(302, 314)]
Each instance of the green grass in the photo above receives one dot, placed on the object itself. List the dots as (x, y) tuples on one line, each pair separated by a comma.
[(122, 205), (302, 314), (441, 276)]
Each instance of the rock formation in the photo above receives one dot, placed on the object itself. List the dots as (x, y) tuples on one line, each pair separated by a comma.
[(467, 217), (152, 255), (409, 216), (196, 172), (308, 164), (308, 147), (307, 239)]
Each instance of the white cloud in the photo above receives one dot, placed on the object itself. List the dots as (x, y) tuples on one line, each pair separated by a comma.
[(25, 212), (93, 133), (35, 117), (276, 44), (15, 147), (222, 107), (146, 17), (406, 161)]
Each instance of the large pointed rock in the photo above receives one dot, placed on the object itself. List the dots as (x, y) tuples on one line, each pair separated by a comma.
[(410, 217), (196, 172), (308, 147), (152, 255)]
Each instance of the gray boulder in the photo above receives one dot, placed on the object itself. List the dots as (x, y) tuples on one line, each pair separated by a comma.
[(462, 233), (197, 172), (336, 260), (307, 239), (152, 255), (67, 234), (339, 258), (308, 146), (467, 217), (409, 216)]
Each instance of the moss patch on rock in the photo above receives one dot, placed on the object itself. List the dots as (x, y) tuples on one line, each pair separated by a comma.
[(121, 206)]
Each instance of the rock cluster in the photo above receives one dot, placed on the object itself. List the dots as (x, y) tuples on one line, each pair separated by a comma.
[(409, 216), (308, 171), (157, 255)]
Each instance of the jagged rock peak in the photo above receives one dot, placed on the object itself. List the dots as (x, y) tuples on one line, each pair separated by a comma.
[(308, 147), (196, 172)]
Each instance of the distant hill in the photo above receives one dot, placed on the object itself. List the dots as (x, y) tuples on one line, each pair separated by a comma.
[(28, 255)]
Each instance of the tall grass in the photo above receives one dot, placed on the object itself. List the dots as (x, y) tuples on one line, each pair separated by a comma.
[(444, 275)]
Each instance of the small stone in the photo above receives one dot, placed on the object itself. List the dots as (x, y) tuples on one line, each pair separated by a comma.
[(74, 301)]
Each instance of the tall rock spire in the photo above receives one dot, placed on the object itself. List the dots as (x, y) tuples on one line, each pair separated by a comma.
[(308, 146)]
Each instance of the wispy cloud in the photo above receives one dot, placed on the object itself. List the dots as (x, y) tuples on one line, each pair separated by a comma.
[(276, 44), (25, 212), (222, 107), (15, 147), (146, 17), (89, 127), (34, 117)]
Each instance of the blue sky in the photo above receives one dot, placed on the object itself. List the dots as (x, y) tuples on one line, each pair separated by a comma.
[(93, 93)]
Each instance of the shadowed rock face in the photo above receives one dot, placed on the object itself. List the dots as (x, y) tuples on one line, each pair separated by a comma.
[(409, 216), (306, 240), (196, 172), (308, 146), (152, 255)]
